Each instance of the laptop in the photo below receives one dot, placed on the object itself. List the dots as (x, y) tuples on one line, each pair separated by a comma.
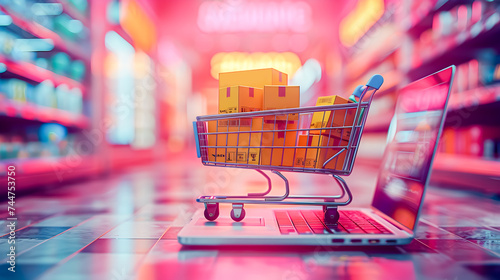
[(397, 201)]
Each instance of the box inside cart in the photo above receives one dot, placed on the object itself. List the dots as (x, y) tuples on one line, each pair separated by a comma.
[(279, 156), (313, 156), (235, 132), (333, 119)]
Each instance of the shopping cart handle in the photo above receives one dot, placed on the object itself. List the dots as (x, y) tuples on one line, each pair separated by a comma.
[(375, 82), (197, 139), (358, 91)]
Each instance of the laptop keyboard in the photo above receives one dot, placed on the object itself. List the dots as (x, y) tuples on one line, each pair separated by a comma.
[(312, 222)]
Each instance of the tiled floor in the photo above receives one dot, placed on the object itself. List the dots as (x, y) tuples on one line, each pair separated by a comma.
[(125, 226)]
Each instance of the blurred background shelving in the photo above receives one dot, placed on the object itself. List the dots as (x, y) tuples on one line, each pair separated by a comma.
[(57, 93), (432, 35)]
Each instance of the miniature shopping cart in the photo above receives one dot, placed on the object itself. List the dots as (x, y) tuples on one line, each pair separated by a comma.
[(285, 140)]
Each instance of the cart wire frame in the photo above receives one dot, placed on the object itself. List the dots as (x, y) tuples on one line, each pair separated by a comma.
[(297, 118)]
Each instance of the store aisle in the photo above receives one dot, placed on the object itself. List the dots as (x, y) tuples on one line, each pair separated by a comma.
[(125, 226)]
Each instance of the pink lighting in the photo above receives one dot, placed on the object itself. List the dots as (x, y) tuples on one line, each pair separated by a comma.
[(256, 16)]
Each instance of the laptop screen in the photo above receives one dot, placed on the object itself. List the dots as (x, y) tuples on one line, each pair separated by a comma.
[(407, 160)]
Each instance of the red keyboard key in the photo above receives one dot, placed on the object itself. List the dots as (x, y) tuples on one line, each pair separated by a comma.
[(299, 222)]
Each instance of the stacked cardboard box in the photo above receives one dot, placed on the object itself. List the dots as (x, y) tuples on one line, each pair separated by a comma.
[(267, 89), (280, 97), (332, 121), (247, 91)]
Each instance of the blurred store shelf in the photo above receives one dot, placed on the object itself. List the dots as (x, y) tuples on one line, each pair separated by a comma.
[(38, 74), (422, 20), (50, 170), (456, 49), (27, 111), (474, 97), (39, 31), (74, 13), (467, 164), (468, 172)]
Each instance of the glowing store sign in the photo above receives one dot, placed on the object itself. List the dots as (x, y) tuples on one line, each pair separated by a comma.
[(286, 62), (265, 16)]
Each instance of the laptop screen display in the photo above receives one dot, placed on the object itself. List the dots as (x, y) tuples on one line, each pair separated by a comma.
[(408, 156)]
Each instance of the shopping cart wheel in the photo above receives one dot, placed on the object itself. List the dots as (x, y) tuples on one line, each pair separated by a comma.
[(237, 213), (211, 211), (331, 215)]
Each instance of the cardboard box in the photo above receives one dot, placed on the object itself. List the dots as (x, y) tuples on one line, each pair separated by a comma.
[(239, 99), (274, 156), (281, 97), (235, 155), (314, 157), (253, 78), (335, 118)]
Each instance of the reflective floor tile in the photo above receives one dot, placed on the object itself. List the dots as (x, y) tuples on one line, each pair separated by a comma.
[(23, 271), (52, 251), (475, 233), (21, 245), (95, 266), (172, 233), (492, 245), (64, 220), (39, 233), (426, 231), (139, 229), (258, 265), (416, 247), (460, 250), (120, 246), (125, 227), (169, 259)]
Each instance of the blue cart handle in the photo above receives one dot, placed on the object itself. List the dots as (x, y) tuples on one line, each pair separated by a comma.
[(197, 139)]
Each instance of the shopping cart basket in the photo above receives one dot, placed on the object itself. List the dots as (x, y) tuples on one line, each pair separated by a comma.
[(285, 140)]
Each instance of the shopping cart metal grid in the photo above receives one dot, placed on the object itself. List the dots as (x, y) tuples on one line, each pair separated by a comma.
[(258, 140)]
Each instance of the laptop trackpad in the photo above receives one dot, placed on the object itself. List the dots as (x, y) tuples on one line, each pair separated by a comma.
[(228, 222)]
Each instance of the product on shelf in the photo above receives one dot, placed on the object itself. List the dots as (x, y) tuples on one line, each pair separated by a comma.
[(476, 140), (77, 70), (45, 94), (15, 89), (80, 5), (62, 96), (42, 62), (489, 67), (475, 137), (24, 93), (60, 63), (76, 101), (70, 28)]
